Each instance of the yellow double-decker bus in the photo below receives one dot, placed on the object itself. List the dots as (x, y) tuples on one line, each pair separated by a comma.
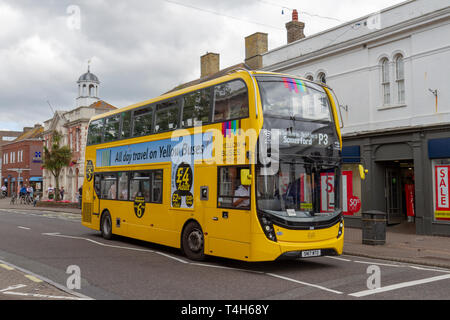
[(245, 166)]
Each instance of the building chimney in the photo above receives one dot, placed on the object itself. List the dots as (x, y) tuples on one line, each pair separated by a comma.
[(209, 64), (255, 46), (295, 28)]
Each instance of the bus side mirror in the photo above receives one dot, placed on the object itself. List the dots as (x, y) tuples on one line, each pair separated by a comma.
[(362, 172), (246, 177)]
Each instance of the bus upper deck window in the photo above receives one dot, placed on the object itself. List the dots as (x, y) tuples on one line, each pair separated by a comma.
[(142, 121), (196, 109), (167, 116), (231, 101)]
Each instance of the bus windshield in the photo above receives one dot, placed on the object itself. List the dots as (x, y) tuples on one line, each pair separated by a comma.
[(299, 190), (294, 99)]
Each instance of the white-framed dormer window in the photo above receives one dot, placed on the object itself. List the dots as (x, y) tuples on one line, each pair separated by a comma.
[(385, 82), (400, 78)]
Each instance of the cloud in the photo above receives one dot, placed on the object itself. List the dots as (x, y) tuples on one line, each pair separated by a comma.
[(138, 49)]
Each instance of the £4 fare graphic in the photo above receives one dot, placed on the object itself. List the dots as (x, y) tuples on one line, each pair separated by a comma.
[(181, 187)]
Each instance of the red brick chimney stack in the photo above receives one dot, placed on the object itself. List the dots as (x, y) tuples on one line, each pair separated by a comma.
[(295, 15), (295, 28)]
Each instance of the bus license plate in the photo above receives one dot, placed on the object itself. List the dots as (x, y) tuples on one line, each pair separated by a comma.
[(311, 253)]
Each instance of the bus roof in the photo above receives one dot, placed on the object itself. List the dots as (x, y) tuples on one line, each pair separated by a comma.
[(222, 75)]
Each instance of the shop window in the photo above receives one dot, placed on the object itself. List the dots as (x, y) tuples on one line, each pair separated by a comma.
[(351, 189)]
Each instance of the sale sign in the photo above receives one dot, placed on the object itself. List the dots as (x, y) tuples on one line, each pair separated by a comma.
[(347, 192), (442, 203), (354, 204), (326, 192)]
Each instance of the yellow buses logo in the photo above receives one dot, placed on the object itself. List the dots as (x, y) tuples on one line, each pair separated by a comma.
[(89, 170), (139, 206)]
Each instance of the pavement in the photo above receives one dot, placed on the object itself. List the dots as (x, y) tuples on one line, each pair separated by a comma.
[(402, 244)]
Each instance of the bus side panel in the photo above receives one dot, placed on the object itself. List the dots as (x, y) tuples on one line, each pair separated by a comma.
[(118, 211), (227, 231), (157, 223)]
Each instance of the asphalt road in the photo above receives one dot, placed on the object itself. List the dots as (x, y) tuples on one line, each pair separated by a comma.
[(47, 244)]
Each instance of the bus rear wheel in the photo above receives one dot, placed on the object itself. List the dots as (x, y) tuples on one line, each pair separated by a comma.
[(193, 243), (106, 226)]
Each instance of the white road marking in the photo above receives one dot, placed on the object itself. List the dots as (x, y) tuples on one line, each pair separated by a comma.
[(304, 283), (399, 286), (57, 234), (51, 282), (380, 264), (36, 295), (337, 258), (17, 286), (25, 228), (430, 269)]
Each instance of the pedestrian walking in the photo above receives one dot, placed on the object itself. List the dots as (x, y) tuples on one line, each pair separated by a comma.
[(80, 192), (50, 191), (61, 193)]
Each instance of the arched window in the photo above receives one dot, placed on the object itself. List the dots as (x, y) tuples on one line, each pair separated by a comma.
[(400, 78), (91, 90), (385, 82), (309, 77), (322, 78)]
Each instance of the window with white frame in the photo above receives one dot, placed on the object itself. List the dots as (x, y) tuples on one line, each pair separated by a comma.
[(385, 81), (400, 78), (322, 78)]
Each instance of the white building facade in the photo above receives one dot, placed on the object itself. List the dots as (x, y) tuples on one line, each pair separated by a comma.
[(390, 72), (73, 125)]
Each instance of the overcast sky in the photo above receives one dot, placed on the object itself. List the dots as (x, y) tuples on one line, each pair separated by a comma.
[(138, 48)]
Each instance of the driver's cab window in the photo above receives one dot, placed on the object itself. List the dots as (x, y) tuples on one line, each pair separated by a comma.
[(231, 193)]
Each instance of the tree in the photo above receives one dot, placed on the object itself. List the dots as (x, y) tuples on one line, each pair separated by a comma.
[(56, 158)]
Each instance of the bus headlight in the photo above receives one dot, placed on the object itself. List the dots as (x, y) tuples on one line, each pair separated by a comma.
[(268, 228), (341, 227)]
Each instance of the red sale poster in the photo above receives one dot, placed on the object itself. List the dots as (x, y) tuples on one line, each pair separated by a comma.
[(409, 193), (326, 192), (347, 191), (442, 201)]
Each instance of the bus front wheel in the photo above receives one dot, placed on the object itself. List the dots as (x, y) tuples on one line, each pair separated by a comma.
[(106, 226), (193, 243)]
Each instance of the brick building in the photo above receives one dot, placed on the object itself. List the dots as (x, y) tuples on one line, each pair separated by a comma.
[(6, 137), (22, 160)]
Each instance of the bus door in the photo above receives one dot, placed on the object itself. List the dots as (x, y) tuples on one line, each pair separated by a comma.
[(229, 223)]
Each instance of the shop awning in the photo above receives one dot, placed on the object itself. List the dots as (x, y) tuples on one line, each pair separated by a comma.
[(351, 154), (439, 148), (36, 179)]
